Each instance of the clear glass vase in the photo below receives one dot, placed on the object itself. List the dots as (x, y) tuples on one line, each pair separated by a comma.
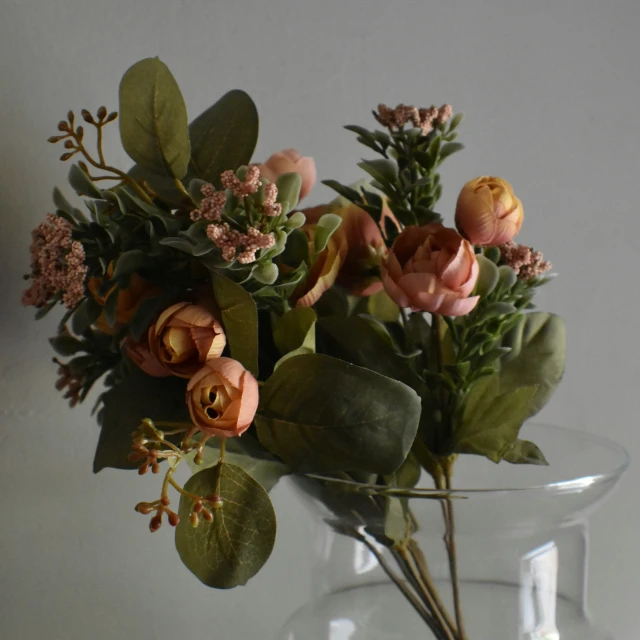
[(503, 560)]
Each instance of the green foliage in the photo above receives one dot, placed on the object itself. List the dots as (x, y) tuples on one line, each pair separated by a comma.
[(322, 414), (327, 225), (153, 119), (524, 452), (537, 347), (223, 137), (126, 404), (233, 547), (289, 185), (239, 319), (294, 332)]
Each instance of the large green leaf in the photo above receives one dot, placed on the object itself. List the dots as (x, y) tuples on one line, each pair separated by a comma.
[(295, 330), (125, 405), (153, 119), (320, 414), (223, 137), (492, 418), (265, 469), (239, 319), (537, 356), (233, 547)]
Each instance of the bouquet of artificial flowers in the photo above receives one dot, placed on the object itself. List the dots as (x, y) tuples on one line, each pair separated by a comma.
[(358, 341)]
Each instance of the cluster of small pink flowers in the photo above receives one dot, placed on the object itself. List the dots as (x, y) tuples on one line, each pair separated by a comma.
[(271, 208), (57, 264), (526, 262), (211, 206), (423, 119), (70, 382), (229, 240), (241, 188)]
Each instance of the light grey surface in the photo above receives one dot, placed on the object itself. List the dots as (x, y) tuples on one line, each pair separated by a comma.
[(551, 94)]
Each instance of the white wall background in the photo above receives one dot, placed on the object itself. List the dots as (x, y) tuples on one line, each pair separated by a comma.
[(551, 94)]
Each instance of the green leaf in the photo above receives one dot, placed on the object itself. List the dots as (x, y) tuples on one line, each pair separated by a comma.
[(295, 329), (346, 192), (130, 261), (289, 185), (321, 414), (85, 315), (537, 357), (381, 307), (230, 550), (153, 119), (492, 418), (296, 250), (65, 345), (265, 470), (487, 278), (507, 276), (265, 273), (223, 137), (524, 452), (239, 319), (449, 149), (82, 184), (111, 307), (383, 170), (327, 225), (125, 405), (64, 205)]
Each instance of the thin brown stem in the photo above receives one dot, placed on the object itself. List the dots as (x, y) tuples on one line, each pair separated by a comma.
[(450, 542), (404, 560), (421, 563), (404, 588), (99, 143)]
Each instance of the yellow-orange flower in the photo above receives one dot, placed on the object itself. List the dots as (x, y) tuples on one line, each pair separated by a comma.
[(184, 337), (488, 212), (431, 268), (222, 398)]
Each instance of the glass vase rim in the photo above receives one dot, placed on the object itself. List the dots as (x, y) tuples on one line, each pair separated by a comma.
[(578, 482)]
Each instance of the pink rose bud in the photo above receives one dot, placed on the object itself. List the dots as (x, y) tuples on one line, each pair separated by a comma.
[(431, 268), (222, 398), (142, 357), (184, 337), (488, 212), (290, 161)]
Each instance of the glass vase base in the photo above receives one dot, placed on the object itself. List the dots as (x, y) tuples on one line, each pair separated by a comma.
[(375, 612)]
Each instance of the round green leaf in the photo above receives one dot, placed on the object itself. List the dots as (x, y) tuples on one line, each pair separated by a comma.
[(487, 278), (233, 547), (153, 119)]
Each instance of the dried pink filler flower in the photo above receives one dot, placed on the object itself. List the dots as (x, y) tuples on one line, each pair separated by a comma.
[(420, 118), (228, 240), (270, 206), (57, 264), (211, 206), (526, 262), (241, 188)]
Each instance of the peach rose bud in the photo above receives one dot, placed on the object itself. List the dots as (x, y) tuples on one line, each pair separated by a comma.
[(290, 161), (184, 337), (488, 212), (431, 268), (140, 355), (222, 398)]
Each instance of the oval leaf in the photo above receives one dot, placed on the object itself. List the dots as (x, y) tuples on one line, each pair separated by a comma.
[(153, 119), (233, 547), (223, 137), (320, 414), (240, 320)]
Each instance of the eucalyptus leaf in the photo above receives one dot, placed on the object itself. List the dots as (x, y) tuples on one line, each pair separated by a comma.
[(507, 276), (233, 547), (327, 225), (487, 278), (153, 119), (289, 185), (537, 356), (82, 183), (129, 262), (85, 315), (239, 319), (524, 452), (265, 272), (64, 205), (321, 414), (125, 405), (295, 329), (223, 137)]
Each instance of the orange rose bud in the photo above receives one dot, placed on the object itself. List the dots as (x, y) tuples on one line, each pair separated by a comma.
[(488, 212), (290, 161), (142, 357), (431, 268), (184, 337), (222, 398)]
